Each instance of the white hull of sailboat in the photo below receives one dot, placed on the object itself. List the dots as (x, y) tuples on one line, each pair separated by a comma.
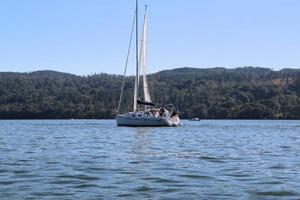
[(125, 120)]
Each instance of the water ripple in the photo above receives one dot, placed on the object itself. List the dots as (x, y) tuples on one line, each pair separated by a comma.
[(95, 159)]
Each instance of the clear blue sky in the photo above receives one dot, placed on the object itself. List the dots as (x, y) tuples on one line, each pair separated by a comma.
[(91, 36)]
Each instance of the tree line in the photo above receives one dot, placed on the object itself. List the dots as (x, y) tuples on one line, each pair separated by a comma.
[(214, 93)]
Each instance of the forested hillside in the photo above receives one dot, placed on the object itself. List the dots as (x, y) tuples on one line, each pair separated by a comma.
[(216, 93)]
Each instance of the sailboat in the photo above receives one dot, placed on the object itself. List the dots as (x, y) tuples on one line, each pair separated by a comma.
[(144, 113)]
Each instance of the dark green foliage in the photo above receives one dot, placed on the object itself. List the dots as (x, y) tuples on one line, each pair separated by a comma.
[(216, 93)]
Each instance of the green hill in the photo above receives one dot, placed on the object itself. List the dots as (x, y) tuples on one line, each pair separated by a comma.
[(214, 93)]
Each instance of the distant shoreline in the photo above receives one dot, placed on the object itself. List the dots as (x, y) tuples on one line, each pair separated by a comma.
[(211, 93)]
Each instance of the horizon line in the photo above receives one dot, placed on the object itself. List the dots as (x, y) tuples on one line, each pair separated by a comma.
[(95, 73)]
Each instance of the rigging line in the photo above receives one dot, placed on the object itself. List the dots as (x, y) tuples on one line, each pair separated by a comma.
[(126, 63)]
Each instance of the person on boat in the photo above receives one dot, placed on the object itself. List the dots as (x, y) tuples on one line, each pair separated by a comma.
[(174, 113), (161, 111), (147, 113)]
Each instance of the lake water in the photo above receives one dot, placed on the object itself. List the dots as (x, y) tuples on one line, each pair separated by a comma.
[(95, 159)]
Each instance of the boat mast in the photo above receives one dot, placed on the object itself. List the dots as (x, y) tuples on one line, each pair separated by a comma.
[(137, 48), (136, 87)]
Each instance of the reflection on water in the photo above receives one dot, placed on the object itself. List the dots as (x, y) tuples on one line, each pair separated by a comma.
[(95, 159), (141, 141)]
